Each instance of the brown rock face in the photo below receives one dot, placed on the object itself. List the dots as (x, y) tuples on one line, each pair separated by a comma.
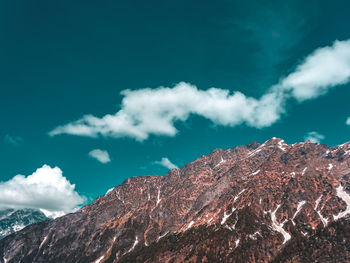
[(255, 203)]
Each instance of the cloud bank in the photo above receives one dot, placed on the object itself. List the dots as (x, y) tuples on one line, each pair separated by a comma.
[(166, 163), (46, 189), (148, 111), (314, 137), (100, 155)]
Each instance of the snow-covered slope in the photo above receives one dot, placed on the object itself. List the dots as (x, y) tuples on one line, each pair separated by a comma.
[(14, 220)]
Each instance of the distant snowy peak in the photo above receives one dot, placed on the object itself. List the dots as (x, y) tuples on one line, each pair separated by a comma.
[(12, 220)]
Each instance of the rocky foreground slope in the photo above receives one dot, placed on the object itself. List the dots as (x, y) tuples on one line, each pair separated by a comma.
[(258, 203)]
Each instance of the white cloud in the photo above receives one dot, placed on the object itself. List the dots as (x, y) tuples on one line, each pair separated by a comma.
[(166, 163), (46, 189), (325, 68), (13, 140), (148, 111), (314, 137), (348, 121), (100, 155)]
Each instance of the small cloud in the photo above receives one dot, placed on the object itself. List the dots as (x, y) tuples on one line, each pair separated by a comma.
[(314, 137), (46, 189), (100, 155), (324, 69), (166, 163), (348, 121), (13, 140)]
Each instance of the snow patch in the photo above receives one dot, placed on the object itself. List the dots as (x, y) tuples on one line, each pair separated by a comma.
[(255, 173), (254, 152), (190, 225), (229, 228), (318, 202), (100, 259), (330, 166), (237, 196), (323, 219), (221, 162), (158, 198), (161, 236), (7, 214), (281, 145), (300, 205), (108, 191), (237, 242), (133, 246), (346, 198), (279, 227), (43, 242), (226, 216), (117, 195), (303, 172), (18, 227), (255, 235)]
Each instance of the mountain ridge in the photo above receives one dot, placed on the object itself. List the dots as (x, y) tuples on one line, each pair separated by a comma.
[(264, 196)]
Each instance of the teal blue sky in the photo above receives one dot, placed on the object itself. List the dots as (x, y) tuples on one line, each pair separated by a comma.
[(63, 59)]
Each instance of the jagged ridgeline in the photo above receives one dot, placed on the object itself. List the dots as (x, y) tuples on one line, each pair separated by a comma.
[(258, 203)]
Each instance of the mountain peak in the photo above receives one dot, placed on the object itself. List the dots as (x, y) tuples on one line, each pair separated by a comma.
[(12, 220), (261, 197)]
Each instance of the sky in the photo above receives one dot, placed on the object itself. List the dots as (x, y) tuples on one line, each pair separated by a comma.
[(95, 92)]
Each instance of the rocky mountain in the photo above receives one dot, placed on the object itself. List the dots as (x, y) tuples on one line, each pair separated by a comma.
[(258, 203), (12, 220)]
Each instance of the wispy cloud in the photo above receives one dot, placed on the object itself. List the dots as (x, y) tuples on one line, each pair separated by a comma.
[(100, 155), (347, 121), (314, 137), (148, 111), (46, 189), (13, 140), (166, 163)]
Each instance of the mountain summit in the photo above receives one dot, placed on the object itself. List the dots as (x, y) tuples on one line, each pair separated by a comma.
[(272, 202)]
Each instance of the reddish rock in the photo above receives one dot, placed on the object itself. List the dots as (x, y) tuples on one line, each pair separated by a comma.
[(251, 203)]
